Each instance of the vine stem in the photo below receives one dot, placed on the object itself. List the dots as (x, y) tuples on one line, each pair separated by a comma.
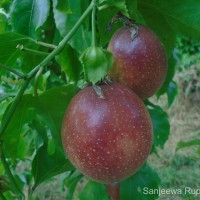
[(113, 191), (37, 76), (19, 74), (9, 174), (32, 73), (51, 46), (94, 24)]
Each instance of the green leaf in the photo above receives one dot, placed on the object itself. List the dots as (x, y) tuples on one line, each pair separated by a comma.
[(36, 136), (3, 22), (45, 166), (119, 4), (182, 144), (60, 19), (134, 13), (51, 147), (172, 92), (24, 60), (132, 7), (49, 108), (3, 106), (104, 17), (169, 86), (71, 183), (43, 81), (52, 106), (135, 186), (96, 62), (8, 44), (93, 191), (64, 23), (13, 57), (172, 16), (169, 77), (156, 20), (63, 6), (70, 64), (27, 16), (14, 142), (161, 126), (5, 4)]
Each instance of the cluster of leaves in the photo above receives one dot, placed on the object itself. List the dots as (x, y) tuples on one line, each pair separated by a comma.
[(34, 132)]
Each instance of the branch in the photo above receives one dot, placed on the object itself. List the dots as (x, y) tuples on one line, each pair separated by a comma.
[(9, 174), (13, 71), (32, 73)]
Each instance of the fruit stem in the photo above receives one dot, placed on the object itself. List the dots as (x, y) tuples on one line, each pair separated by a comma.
[(99, 91), (113, 191), (94, 24)]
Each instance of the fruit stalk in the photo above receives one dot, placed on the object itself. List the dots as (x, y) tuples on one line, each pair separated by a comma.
[(113, 191), (94, 24)]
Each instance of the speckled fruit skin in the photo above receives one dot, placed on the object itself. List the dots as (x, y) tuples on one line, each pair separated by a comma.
[(107, 139), (141, 63)]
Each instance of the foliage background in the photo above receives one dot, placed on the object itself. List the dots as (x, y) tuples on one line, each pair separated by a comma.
[(32, 143)]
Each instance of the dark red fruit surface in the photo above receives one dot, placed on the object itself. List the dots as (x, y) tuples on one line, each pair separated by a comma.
[(139, 63), (107, 139)]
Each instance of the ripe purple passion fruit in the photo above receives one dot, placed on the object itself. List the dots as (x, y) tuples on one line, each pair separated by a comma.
[(139, 63), (107, 139)]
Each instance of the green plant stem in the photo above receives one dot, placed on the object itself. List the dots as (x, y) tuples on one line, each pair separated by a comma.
[(31, 51), (94, 24), (12, 70), (37, 76), (31, 74), (2, 196), (106, 6), (51, 46), (9, 174)]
